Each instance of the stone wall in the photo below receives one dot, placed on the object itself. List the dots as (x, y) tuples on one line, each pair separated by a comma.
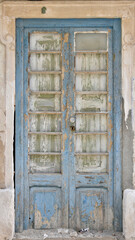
[(9, 11)]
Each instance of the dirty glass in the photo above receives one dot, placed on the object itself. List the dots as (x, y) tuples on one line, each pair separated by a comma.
[(91, 164), (45, 62), (91, 123), (91, 143), (91, 103), (44, 143), (44, 124), (45, 82), (91, 62), (45, 41), (91, 82), (44, 102), (90, 41)]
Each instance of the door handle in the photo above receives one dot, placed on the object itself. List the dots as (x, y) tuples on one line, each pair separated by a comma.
[(72, 123)]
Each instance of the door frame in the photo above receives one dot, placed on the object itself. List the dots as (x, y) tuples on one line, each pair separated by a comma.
[(115, 24)]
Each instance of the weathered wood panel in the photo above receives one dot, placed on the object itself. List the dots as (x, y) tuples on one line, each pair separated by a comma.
[(68, 171), (46, 203), (91, 208)]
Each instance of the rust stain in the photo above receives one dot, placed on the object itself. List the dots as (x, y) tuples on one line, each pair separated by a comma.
[(66, 37), (110, 126), (64, 139), (25, 117), (109, 106), (18, 199), (113, 57)]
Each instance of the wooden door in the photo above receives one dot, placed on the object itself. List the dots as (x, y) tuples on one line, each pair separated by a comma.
[(68, 149)]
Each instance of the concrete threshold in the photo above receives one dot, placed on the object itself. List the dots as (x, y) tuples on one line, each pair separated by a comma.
[(66, 234)]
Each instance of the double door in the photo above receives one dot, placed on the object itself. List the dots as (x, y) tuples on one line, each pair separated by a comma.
[(67, 141)]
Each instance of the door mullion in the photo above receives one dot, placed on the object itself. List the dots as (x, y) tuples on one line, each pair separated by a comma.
[(72, 190), (65, 127)]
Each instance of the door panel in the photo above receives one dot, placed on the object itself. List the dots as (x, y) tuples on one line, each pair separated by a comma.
[(46, 207), (68, 127), (91, 208)]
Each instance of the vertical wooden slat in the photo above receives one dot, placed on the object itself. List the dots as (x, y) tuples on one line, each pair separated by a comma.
[(19, 213), (65, 128), (117, 127), (25, 136)]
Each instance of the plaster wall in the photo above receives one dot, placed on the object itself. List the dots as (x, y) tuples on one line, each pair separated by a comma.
[(9, 11)]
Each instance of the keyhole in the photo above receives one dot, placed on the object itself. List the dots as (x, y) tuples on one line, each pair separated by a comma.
[(73, 128)]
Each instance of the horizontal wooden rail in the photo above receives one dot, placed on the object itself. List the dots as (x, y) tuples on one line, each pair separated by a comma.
[(44, 153), (45, 133)]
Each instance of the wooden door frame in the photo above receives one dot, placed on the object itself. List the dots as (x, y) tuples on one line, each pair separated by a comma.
[(115, 24)]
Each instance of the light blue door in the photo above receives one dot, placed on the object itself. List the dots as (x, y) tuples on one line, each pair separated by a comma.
[(68, 124)]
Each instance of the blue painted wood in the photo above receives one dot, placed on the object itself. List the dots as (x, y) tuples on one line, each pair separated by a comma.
[(46, 203), (110, 128), (65, 127), (69, 183), (45, 180), (25, 132), (90, 180), (72, 171), (19, 131), (117, 126)]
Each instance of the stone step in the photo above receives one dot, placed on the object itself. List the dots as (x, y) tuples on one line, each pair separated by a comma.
[(66, 234)]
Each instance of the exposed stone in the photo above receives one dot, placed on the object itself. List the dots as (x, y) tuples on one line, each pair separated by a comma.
[(129, 214), (54, 235), (6, 214)]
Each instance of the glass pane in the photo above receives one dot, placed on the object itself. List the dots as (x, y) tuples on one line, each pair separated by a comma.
[(90, 41), (91, 143), (91, 164), (44, 123), (47, 164), (45, 62), (44, 143), (91, 103), (91, 123), (45, 82), (91, 82), (91, 62), (45, 41), (45, 102)]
